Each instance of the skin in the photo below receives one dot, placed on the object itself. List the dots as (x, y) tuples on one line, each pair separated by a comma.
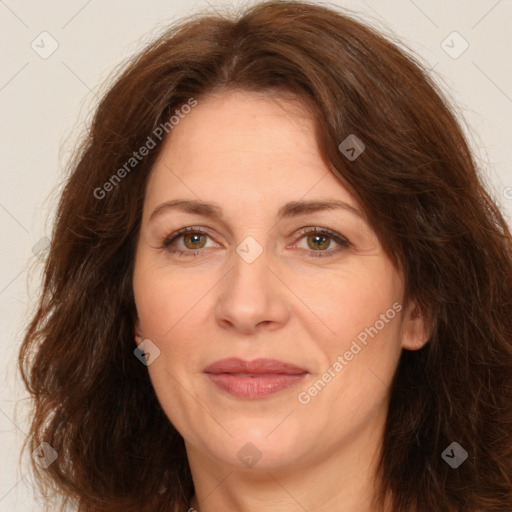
[(251, 154)]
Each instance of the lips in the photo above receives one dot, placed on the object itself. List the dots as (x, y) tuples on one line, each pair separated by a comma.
[(253, 379), (256, 367)]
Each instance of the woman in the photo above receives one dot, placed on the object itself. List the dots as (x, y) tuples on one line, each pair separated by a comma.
[(276, 281)]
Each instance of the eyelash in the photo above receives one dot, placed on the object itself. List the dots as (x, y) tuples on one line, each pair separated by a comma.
[(343, 242)]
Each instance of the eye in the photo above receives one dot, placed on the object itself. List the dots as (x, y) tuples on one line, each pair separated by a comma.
[(193, 240), (318, 239)]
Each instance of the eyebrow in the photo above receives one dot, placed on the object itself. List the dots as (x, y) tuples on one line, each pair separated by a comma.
[(289, 210)]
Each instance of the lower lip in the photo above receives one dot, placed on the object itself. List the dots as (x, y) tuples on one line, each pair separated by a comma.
[(254, 386)]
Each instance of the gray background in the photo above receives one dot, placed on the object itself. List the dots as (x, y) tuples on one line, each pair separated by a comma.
[(47, 100)]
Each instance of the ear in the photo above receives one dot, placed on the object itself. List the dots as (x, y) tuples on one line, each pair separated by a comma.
[(137, 332), (415, 331)]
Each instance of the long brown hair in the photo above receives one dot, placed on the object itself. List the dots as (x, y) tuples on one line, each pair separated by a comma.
[(419, 185)]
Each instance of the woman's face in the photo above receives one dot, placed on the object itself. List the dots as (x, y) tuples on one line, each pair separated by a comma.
[(250, 280)]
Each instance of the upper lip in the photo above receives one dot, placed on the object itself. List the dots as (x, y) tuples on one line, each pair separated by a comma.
[(256, 366)]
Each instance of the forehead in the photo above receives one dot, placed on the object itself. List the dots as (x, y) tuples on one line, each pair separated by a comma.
[(243, 149)]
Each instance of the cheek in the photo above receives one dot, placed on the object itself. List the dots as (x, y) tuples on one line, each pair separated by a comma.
[(351, 302), (166, 300), (165, 307), (171, 310), (362, 345)]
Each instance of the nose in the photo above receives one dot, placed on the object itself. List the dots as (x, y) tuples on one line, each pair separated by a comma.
[(252, 297)]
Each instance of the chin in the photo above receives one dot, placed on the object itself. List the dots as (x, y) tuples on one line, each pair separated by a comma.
[(258, 447)]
